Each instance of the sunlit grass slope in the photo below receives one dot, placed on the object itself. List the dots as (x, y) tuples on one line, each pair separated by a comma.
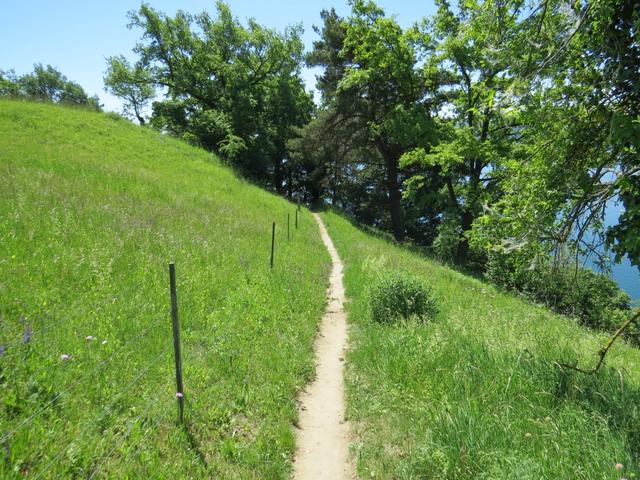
[(477, 393), (92, 210)]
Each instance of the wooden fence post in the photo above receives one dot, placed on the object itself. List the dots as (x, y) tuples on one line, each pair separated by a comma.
[(273, 241), (176, 342)]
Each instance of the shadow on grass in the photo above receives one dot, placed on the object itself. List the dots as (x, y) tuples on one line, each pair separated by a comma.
[(194, 444), (488, 407), (606, 393), (537, 379)]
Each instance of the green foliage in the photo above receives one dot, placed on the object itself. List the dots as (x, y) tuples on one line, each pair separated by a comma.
[(395, 296), (48, 84), (8, 84), (475, 63), (327, 52), (491, 112), (92, 211), (580, 149), (624, 236), (229, 88), (488, 122), (594, 299), (478, 394), (371, 85), (132, 84), (446, 243)]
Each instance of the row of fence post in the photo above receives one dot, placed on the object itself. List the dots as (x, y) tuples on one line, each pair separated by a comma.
[(176, 322), (273, 235)]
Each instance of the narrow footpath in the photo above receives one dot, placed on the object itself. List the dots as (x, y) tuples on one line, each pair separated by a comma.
[(322, 434)]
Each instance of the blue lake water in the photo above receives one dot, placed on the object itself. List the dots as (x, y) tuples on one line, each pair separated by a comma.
[(626, 275)]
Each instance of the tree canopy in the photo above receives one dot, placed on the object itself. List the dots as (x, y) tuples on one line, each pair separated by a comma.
[(47, 84), (494, 133), (232, 89)]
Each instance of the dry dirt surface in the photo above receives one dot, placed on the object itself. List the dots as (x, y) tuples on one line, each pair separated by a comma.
[(322, 433)]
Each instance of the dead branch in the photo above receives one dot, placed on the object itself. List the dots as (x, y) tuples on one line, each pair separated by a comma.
[(602, 353)]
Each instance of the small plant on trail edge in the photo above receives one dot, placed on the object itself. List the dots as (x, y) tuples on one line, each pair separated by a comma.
[(395, 296)]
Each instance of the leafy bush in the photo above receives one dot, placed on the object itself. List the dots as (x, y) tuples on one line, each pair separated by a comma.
[(446, 243), (593, 298), (395, 296)]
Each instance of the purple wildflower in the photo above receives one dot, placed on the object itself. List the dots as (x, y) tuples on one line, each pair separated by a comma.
[(65, 357), (26, 335), (179, 395)]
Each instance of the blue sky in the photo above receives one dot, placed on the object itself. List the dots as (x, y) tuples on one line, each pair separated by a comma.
[(76, 36)]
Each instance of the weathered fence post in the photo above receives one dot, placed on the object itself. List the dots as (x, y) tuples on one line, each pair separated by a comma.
[(288, 222), (176, 342), (273, 241), (296, 219)]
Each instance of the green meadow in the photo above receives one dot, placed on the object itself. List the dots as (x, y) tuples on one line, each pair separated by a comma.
[(477, 393), (93, 209)]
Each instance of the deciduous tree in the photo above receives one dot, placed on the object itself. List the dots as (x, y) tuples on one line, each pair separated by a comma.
[(131, 83)]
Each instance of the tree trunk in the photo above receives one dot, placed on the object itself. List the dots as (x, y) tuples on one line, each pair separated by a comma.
[(462, 252), (138, 115), (467, 214), (392, 162)]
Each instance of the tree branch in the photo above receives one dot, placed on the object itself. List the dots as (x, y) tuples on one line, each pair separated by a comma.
[(602, 353)]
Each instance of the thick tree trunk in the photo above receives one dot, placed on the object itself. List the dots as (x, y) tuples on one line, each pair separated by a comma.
[(391, 157), (462, 252), (392, 162)]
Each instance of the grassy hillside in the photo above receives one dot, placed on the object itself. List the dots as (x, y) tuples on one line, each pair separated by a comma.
[(477, 393), (93, 208)]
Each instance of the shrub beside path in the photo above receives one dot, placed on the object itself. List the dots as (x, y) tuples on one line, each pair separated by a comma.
[(323, 433)]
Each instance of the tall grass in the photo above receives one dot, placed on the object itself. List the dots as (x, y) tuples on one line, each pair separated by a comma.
[(477, 393), (93, 208)]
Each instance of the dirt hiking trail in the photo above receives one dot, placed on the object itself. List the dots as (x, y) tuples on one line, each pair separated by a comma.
[(323, 435)]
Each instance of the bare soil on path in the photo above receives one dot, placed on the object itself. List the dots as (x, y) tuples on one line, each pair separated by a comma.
[(322, 433)]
